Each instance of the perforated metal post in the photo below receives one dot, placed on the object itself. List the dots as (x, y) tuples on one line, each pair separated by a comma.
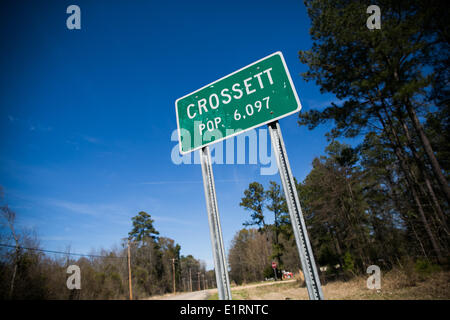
[(220, 261), (295, 212)]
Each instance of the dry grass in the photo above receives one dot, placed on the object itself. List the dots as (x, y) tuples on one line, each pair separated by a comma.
[(397, 284)]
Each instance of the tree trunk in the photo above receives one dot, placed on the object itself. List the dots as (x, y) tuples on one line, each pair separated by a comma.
[(438, 210), (13, 278), (404, 167), (440, 214), (16, 258), (415, 195), (403, 214), (428, 150)]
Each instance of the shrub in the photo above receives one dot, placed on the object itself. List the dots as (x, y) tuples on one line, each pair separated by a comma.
[(349, 263), (425, 267)]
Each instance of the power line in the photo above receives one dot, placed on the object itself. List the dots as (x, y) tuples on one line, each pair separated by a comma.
[(62, 252)]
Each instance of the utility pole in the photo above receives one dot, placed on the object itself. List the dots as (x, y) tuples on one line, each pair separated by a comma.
[(173, 274), (129, 271), (190, 280), (204, 285)]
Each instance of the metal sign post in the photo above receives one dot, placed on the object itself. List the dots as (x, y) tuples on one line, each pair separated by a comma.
[(258, 94), (220, 260), (298, 224)]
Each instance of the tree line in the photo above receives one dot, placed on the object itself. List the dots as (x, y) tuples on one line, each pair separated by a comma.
[(387, 198), (29, 272)]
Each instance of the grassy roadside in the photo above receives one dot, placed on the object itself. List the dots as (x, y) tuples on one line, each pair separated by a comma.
[(395, 285)]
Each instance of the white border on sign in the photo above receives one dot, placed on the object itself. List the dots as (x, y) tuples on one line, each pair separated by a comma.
[(247, 129)]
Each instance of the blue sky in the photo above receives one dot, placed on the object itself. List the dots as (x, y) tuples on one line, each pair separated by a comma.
[(86, 116)]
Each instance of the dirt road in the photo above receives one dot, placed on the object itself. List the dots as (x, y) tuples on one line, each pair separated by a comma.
[(195, 295), (204, 294)]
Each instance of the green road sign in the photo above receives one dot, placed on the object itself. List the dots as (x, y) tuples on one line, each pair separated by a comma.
[(257, 94)]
